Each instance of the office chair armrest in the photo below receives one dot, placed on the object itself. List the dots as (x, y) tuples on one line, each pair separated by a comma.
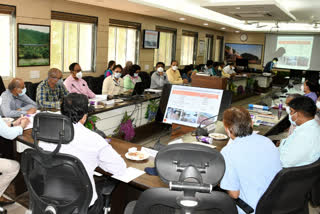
[(244, 206), (110, 185)]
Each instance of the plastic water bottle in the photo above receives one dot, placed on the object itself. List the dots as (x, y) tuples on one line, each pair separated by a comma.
[(280, 110)]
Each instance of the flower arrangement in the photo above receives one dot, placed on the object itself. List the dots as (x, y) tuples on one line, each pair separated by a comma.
[(126, 127), (91, 122), (152, 110)]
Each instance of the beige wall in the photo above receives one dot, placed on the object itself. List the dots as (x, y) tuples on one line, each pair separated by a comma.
[(253, 38), (39, 12)]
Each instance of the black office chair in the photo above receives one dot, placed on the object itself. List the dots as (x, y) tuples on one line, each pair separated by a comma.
[(191, 172), (57, 183), (289, 192)]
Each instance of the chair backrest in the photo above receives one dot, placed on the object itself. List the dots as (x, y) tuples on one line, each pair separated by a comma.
[(191, 171), (55, 181), (31, 89), (289, 192), (164, 201), (145, 78)]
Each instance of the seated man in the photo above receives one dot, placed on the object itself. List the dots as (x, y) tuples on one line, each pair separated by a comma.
[(228, 71), (159, 77), (302, 147), (173, 74), (252, 160), (51, 91), (15, 102), (75, 84), (113, 85), (9, 168), (88, 146)]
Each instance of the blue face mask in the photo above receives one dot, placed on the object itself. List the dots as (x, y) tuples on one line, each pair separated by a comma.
[(291, 121), (23, 92)]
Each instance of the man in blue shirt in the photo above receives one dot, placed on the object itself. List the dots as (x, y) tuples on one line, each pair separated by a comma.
[(252, 160), (15, 102), (302, 147), (270, 65)]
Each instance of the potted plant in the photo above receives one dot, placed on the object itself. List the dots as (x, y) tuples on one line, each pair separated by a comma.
[(126, 127), (152, 110)]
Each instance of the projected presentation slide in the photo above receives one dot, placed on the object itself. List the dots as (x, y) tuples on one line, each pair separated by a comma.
[(189, 106), (298, 50)]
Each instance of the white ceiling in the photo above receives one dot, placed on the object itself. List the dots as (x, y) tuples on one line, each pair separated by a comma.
[(306, 12)]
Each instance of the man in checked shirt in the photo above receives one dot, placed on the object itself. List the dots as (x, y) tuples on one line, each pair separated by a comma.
[(51, 90)]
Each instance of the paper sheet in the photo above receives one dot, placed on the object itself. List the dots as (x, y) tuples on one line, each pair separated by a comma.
[(130, 174), (151, 152)]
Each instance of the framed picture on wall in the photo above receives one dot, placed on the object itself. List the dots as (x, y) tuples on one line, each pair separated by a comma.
[(201, 47), (151, 39), (243, 51), (33, 45)]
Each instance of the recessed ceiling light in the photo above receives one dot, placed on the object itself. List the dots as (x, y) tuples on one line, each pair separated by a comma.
[(223, 28), (238, 8), (237, 31), (182, 19), (206, 24)]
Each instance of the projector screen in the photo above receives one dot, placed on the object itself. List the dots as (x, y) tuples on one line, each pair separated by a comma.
[(299, 52)]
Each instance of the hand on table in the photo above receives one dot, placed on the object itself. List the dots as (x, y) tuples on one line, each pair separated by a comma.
[(32, 111), (22, 121)]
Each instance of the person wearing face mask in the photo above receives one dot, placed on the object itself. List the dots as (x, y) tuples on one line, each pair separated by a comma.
[(159, 77), (269, 65), (251, 160), (302, 147), (228, 71), (173, 74), (51, 90), (113, 85), (110, 68), (75, 84), (15, 102), (130, 80), (310, 88)]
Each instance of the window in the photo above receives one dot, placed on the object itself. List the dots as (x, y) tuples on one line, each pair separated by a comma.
[(166, 51), (72, 42), (219, 48), (6, 40), (188, 48), (123, 41), (208, 48)]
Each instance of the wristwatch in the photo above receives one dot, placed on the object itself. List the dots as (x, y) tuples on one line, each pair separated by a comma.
[(11, 124)]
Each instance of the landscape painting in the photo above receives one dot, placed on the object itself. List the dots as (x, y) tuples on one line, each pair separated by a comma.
[(33, 45), (243, 51)]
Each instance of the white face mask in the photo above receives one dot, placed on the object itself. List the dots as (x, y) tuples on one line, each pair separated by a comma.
[(160, 69), (135, 74), (174, 68), (318, 104), (23, 92), (79, 75), (117, 75)]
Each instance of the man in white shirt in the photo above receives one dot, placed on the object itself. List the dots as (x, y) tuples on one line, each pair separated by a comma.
[(228, 71), (88, 146)]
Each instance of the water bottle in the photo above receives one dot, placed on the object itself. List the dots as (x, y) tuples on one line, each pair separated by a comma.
[(280, 110)]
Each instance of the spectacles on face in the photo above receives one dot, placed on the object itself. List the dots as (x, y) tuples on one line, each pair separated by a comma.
[(78, 70)]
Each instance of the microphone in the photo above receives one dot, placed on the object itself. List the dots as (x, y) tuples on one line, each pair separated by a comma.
[(158, 146), (76, 88), (204, 131)]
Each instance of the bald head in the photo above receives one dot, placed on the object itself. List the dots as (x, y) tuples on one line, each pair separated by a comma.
[(16, 83)]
